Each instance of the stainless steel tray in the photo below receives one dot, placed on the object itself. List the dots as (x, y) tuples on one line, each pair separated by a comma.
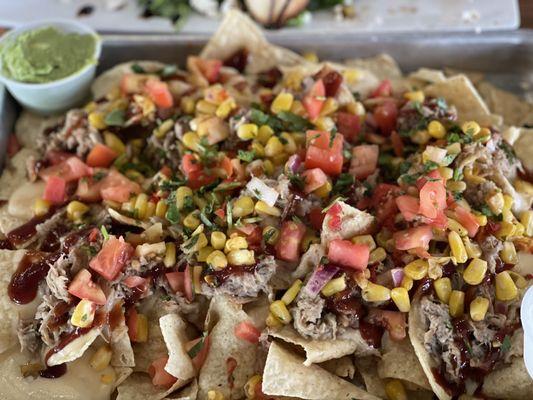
[(506, 58)]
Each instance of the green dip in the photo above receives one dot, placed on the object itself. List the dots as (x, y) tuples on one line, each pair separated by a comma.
[(46, 54)]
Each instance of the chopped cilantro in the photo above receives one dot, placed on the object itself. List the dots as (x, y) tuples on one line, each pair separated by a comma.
[(105, 234), (324, 260), (268, 234), (173, 214), (506, 344), (192, 242), (205, 220), (137, 69), (508, 150), (293, 122), (343, 182), (409, 179), (457, 174), (430, 166), (170, 185), (332, 135), (485, 210), (193, 352), (115, 118), (297, 181), (167, 70), (404, 167), (229, 214), (246, 156), (99, 175)]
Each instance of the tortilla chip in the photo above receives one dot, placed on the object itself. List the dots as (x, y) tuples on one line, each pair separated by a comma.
[(139, 386), (14, 173), (179, 363), (428, 75), (523, 146), (123, 355), (21, 201), (188, 393), (309, 260), (510, 382), (7, 221), (223, 316), (399, 361), (154, 347), (74, 349), (318, 351), (342, 367), (29, 127), (121, 374), (475, 76), (382, 66), (258, 311), (367, 368), (459, 92), (238, 31), (353, 222), (512, 108), (285, 375)]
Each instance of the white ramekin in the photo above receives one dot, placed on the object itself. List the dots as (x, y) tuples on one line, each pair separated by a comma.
[(56, 96)]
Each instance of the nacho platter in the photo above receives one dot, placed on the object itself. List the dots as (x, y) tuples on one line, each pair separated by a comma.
[(274, 239)]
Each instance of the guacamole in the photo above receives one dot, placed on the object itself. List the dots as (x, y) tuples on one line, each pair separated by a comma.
[(46, 54)]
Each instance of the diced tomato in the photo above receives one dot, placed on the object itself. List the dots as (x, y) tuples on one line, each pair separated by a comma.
[(132, 83), (112, 258), (70, 170), (314, 100), (187, 283), (94, 235), (433, 175), (414, 237), (55, 190), (397, 143), (393, 321), (332, 81), (138, 282), (101, 156), (320, 154), (227, 166), (210, 69), (383, 90), (116, 187), (383, 201), (55, 157), (89, 190), (364, 160), (316, 218), (159, 376), (159, 93), (440, 222), (83, 287), (314, 179), (335, 217), (220, 213), (467, 219), (132, 320), (432, 199), (349, 125), (408, 206), (247, 331), (348, 254), (13, 145), (176, 280), (385, 116), (253, 234), (166, 171), (193, 170), (288, 245), (199, 359)]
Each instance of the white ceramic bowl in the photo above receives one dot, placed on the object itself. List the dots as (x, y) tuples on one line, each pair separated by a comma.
[(56, 96)]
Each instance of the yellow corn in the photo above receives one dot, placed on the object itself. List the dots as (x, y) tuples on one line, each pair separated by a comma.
[(310, 56), (417, 95), (183, 197), (243, 206), (191, 140), (518, 279), (526, 218), (142, 328), (436, 130), (519, 229), (224, 109), (272, 321), (395, 391), (291, 293), (235, 243), (308, 240), (446, 173), (273, 147), (421, 137), (163, 129), (279, 159), (352, 75), (407, 282), (470, 127), (215, 395), (481, 219), (506, 229), (472, 248), (187, 104), (443, 288), (251, 387), (264, 133), (298, 108), (199, 202), (101, 358), (334, 286), (478, 308), (191, 221), (375, 292), (400, 296), (356, 108), (218, 240), (324, 123), (83, 314), (475, 272), (205, 107), (506, 289), (247, 131), (140, 206), (365, 239), (457, 247), (282, 102), (523, 186), (76, 210), (280, 311), (196, 279), (508, 253), (324, 190), (417, 269), (97, 120), (495, 203), (201, 242), (377, 255), (483, 136), (268, 167), (161, 208), (217, 259), (241, 257), (114, 143), (290, 145), (258, 149), (203, 253), (455, 226), (41, 207), (150, 210), (107, 379), (263, 208), (329, 107), (457, 303), (456, 186), (271, 235), (170, 255)]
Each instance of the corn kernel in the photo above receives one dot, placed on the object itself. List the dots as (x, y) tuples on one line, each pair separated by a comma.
[(308, 240), (225, 108), (457, 303), (523, 186), (243, 206), (264, 133), (446, 173), (456, 186), (367, 240), (83, 314), (475, 272), (114, 143), (483, 136), (203, 253), (436, 130), (481, 219), (247, 131), (191, 140), (101, 358), (141, 203), (506, 289), (324, 190), (506, 229), (395, 391), (298, 108), (400, 296), (235, 243), (161, 208), (443, 289), (258, 149), (164, 128), (199, 201), (455, 226), (170, 255), (310, 56), (41, 207), (420, 137), (471, 128), (289, 145), (324, 123), (191, 221), (76, 210), (334, 286), (270, 235), (183, 197), (218, 240), (282, 102), (377, 255), (352, 75), (150, 210), (215, 395), (329, 107), (471, 177), (407, 282), (478, 308), (280, 311), (97, 120), (252, 387), (526, 218), (472, 248), (273, 147), (217, 259), (417, 269), (417, 95), (508, 253), (272, 321), (187, 104), (263, 208), (205, 107), (519, 230), (292, 292), (268, 167), (457, 247), (375, 292), (241, 257), (495, 203), (518, 279)]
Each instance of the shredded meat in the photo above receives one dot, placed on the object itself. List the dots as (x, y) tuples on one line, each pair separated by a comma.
[(57, 279), (28, 335), (164, 151), (491, 247), (310, 320)]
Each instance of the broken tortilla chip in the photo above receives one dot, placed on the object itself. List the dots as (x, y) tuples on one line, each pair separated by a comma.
[(382, 66), (512, 108), (367, 368), (179, 363), (138, 386)]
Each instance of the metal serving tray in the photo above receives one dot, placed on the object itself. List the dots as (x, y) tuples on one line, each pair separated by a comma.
[(506, 58)]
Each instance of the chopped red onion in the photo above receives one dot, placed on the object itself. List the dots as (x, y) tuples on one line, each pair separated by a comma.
[(397, 276), (293, 164), (319, 278)]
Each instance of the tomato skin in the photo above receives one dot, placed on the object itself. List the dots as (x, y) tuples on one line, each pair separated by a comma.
[(70, 170), (314, 100), (467, 219), (116, 187), (321, 155), (187, 283), (83, 287), (288, 245), (384, 89), (112, 258), (417, 237), (364, 160), (349, 125), (160, 377), (393, 321), (101, 156), (55, 190), (348, 254), (247, 331), (408, 206), (176, 280), (385, 116), (159, 93), (314, 179), (432, 199)]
